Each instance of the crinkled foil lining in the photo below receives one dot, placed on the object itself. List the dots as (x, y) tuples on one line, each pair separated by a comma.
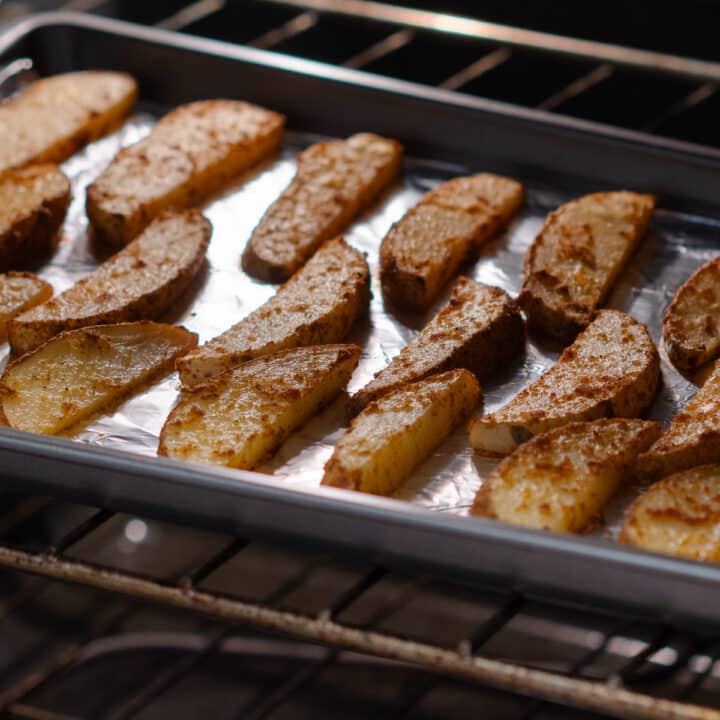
[(447, 482)]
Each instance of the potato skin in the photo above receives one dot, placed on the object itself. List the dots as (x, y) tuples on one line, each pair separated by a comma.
[(148, 302), (576, 257), (690, 322), (335, 181), (20, 291), (56, 116), (480, 329), (317, 306), (30, 232), (191, 153), (424, 249)]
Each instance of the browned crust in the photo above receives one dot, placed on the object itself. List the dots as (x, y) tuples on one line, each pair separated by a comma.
[(118, 229), (487, 352), (214, 386), (24, 335), (410, 290), (36, 234), (259, 261), (684, 356), (565, 319)]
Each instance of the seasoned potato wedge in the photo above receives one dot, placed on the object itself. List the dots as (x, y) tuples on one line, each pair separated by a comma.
[(335, 181), (679, 515), (480, 329), (55, 117), (240, 418), (33, 203), (394, 434), (693, 438), (577, 256), (691, 323), (612, 369), (20, 291), (425, 248), (86, 371), (139, 283), (317, 306), (192, 152), (562, 479)]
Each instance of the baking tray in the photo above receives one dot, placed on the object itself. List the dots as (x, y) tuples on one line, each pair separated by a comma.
[(557, 157)]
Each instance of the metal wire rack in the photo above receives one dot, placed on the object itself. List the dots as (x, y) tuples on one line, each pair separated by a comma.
[(96, 650)]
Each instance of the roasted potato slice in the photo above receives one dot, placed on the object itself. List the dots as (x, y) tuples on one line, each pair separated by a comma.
[(192, 152), (335, 181), (480, 329), (691, 323), (612, 369), (693, 438), (33, 203), (395, 433), (577, 256), (562, 479), (82, 372), (425, 248), (317, 306), (679, 515), (139, 283), (20, 291), (55, 117), (240, 418)]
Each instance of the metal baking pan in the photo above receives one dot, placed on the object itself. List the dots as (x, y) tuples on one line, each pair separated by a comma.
[(556, 157)]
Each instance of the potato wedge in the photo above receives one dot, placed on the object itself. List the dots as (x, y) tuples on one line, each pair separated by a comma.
[(693, 437), (57, 116), (480, 329), (577, 256), (563, 479), (191, 153), (240, 418), (425, 248), (139, 283), (33, 203), (317, 306), (395, 433), (611, 370), (86, 371), (20, 291), (679, 515), (691, 323), (335, 181)]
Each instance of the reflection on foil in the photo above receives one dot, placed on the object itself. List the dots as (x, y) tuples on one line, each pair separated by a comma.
[(449, 479)]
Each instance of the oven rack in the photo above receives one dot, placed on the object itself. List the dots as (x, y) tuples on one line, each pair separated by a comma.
[(618, 666)]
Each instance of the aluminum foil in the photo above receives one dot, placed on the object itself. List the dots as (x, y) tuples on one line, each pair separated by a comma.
[(447, 481)]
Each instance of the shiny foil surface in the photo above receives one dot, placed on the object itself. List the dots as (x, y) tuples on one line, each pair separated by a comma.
[(448, 480)]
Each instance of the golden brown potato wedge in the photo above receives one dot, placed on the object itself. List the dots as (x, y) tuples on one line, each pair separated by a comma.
[(691, 323), (139, 283), (335, 181), (82, 372), (191, 153), (612, 369), (317, 306), (693, 438), (55, 117), (33, 203), (577, 256), (425, 248), (563, 479), (679, 515), (480, 329), (238, 419), (395, 433), (20, 291)]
